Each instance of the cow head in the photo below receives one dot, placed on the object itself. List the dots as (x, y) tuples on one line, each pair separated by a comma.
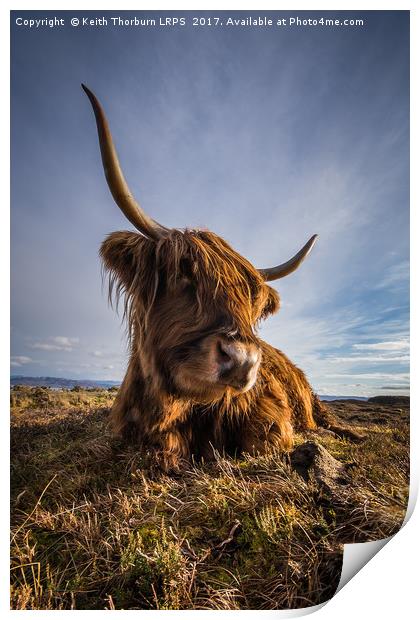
[(192, 302)]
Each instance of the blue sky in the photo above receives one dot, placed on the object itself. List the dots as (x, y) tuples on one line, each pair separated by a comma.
[(264, 136)]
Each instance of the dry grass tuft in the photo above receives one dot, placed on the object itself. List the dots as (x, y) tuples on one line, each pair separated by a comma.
[(93, 528)]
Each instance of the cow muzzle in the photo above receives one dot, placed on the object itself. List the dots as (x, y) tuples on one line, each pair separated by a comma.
[(238, 364)]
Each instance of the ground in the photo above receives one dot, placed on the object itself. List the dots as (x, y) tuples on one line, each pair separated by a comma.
[(93, 527)]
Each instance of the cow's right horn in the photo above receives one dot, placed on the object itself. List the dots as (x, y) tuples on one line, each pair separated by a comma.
[(115, 178)]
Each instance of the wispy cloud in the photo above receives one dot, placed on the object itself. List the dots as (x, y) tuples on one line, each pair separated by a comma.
[(396, 276), (372, 375), (57, 343)]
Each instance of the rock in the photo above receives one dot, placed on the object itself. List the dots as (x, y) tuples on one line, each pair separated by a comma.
[(328, 472)]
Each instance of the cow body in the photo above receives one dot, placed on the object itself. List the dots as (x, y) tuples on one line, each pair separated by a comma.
[(167, 325)]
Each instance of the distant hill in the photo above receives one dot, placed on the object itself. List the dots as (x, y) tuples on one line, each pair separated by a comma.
[(59, 383), (330, 397)]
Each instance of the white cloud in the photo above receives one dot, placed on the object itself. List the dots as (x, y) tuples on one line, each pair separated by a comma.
[(57, 343), (65, 341), (20, 360), (372, 359), (384, 346)]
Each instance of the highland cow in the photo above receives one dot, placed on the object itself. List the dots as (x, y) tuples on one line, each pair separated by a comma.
[(199, 378)]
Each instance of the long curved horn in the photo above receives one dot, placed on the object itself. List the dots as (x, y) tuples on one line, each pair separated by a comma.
[(115, 178), (274, 273)]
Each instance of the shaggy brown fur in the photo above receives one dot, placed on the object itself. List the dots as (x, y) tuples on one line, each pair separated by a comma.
[(183, 295)]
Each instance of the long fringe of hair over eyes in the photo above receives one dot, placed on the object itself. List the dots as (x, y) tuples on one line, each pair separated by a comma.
[(137, 266)]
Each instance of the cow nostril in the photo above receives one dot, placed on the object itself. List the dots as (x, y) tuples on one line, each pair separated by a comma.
[(223, 355)]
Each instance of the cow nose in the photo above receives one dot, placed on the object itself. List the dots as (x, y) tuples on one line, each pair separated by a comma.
[(238, 362)]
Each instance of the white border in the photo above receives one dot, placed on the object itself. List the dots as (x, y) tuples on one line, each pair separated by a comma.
[(386, 586)]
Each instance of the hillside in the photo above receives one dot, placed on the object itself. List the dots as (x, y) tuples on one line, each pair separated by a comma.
[(94, 527)]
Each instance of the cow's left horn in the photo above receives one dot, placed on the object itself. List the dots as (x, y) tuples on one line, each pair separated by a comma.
[(115, 178), (274, 273)]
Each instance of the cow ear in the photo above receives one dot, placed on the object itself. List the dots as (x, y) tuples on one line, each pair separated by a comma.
[(118, 253), (130, 260), (272, 304)]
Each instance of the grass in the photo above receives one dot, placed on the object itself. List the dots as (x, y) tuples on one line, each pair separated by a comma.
[(94, 528)]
